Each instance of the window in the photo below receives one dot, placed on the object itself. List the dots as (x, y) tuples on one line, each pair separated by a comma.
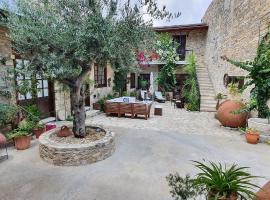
[(23, 80), (100, 76), (239, 80), (181, 41), (132, 81)]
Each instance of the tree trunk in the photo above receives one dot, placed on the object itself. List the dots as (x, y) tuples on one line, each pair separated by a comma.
[(78, 110)]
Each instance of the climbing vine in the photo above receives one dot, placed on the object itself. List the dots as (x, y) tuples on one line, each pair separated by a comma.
[(259, 77)]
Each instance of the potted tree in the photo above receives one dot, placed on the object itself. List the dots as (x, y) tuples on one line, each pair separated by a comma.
[(252, 135), (22, 135)]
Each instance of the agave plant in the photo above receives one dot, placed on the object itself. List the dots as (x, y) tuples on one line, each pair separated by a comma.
[(222, 182)]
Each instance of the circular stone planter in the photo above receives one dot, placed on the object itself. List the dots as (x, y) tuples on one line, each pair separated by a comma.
[(260, 124), (63, 154)]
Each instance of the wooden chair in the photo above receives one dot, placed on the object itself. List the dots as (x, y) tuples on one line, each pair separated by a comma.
[(141, 109), (126, 108), (112, 108)]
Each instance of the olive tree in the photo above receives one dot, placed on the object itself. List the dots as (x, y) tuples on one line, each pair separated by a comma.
[(63, 39)]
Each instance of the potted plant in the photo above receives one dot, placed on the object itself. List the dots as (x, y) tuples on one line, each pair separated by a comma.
[(224, 183), (22, 135), (39, 129), (252, 135), (231, 113)]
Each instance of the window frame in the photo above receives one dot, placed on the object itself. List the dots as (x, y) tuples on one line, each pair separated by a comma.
[(100, 77)]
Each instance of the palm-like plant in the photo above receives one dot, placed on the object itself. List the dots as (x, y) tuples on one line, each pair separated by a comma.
[(221, 182)]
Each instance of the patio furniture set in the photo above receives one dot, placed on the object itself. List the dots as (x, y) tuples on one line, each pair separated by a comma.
[(128, 105)]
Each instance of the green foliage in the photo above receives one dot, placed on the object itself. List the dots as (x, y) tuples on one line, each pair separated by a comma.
[(183, 187), (7, 113), (222, 182), (143, 83), (24, 129), (166, 48), (120, 77), (259, 75), (190, 91), (103, 100), (32, 113)]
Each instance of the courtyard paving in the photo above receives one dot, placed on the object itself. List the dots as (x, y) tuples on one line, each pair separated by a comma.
[(146, 152)]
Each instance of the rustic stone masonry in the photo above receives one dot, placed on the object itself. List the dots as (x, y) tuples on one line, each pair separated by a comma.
[(75, 154), (235, 29)]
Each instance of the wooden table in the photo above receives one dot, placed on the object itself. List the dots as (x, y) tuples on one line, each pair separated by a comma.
[(158, 110)]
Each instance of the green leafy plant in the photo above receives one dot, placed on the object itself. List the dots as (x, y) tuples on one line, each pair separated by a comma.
[(258, 77), (143, 83), (190, 91), (32, 113), (182, 188), (25, 128), (223, 182), (8, 113), (119, 80), (166, 48)]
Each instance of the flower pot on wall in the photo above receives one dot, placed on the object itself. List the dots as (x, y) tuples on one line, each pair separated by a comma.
[(22, 142), (64, 132), (229, 119)]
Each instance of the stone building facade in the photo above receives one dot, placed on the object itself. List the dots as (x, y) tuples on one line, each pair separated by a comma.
[(235, 30)]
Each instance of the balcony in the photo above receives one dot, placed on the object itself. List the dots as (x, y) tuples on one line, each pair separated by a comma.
[(154, 59)]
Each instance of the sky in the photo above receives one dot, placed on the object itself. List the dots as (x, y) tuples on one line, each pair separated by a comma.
[(192, 11)]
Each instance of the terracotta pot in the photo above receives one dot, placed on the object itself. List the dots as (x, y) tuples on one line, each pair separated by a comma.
[(252, 138), (39, 131), (23, 142), (228, 118), (3, 139), (264, 192), (211, 196), (64, 132)]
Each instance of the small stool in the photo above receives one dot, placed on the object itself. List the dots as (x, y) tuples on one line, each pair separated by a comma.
[(158, 110), (3, 144)]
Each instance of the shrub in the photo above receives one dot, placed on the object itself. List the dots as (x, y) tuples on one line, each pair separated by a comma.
[(7, 113), (190, 91), (183, 188), (32, 113)]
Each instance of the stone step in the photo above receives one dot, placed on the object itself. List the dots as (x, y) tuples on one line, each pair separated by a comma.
[(203, 97)]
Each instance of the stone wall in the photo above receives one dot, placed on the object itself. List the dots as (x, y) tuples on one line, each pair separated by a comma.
[(235, 29), (196, 42), (5, 52)]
